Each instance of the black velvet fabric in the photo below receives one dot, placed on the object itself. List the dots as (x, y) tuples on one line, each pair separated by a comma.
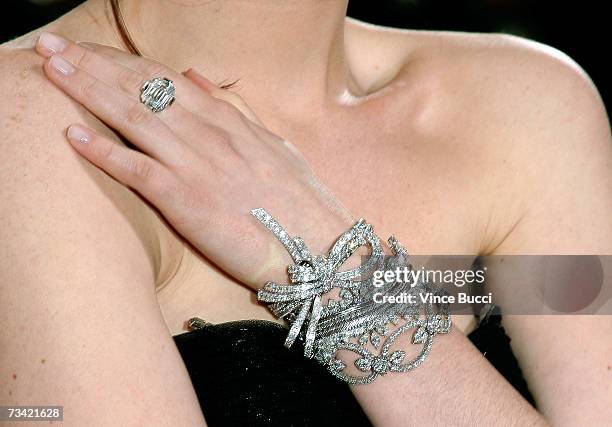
[(244, 376)]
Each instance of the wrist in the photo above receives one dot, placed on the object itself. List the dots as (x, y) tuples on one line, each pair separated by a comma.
[(355, 321), (319, 230)]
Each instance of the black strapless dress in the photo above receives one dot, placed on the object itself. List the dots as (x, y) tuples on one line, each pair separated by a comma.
[(244, 376)]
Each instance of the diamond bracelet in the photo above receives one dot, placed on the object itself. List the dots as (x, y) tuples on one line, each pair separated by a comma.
[(351, 321)]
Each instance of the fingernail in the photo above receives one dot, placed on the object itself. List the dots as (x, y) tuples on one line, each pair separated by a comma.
[(78, 133), (52, 42), (61, 65), (199, 79)]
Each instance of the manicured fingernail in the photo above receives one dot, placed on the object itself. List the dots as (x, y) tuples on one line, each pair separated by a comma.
[(199, 79), (52, 42), (78, 133), (61, 65)]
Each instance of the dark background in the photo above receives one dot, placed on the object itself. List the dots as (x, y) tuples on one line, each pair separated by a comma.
[(580, 29)]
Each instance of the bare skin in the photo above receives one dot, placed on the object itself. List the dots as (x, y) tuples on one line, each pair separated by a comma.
[(482, 153)]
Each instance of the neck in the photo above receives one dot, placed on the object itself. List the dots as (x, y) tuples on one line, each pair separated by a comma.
[(293, 50)]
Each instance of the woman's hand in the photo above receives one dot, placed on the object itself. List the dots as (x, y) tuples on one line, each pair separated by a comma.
[(204, 162)]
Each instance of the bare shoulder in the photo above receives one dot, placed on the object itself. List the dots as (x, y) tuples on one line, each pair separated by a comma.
[(490, 72), (75, 272), (524, 114), (538, 123), (42, 173), (38, 165), (28, 98)]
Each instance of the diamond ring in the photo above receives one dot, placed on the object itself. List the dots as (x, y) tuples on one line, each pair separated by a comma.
[(157, 94)]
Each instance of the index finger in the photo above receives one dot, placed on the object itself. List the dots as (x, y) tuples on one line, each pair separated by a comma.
[(129, 74), (151, 68), (193, 98)]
